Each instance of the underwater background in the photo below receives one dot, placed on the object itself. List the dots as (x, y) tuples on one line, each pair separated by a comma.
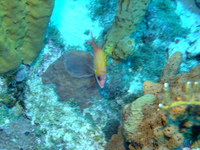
[(99, 75)]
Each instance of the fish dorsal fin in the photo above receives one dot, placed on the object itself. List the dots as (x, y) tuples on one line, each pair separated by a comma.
[(95, 47)]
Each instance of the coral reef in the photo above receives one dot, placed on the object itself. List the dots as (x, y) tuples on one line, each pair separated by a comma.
[(190, 98), (190, 52), (132, 115), (23, 27), (8, 54), (54, 37), (197, 3), (172, 127), (110, 128), (12, 87), (73, 77), (117, 141), (150, 87), (150, 122), (103, 11), (61, 125), (154, 34), (18, 135), (193, 6), (61, 122), (128, 15), (171, 68), (161, 16)]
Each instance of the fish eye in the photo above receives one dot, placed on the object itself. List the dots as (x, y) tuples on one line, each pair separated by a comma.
[(99, 78)]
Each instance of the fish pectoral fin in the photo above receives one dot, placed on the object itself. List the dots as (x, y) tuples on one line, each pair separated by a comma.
[(91, 68), (92, 54)]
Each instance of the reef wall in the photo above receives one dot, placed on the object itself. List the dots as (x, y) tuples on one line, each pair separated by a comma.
[(22, 30)]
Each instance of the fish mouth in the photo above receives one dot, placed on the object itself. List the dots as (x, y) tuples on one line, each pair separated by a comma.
[(101, 81), (101, 84)]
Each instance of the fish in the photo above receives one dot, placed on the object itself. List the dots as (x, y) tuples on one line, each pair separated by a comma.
[(99, 63)]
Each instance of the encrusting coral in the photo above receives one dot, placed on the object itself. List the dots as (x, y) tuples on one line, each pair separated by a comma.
[(23, 28), (129, 14), (173, 117)]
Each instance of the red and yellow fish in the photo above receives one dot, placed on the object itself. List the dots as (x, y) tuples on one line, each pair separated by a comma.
[(99, 63)]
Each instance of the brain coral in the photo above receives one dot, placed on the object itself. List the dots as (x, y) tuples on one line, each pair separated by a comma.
[(23, 27)]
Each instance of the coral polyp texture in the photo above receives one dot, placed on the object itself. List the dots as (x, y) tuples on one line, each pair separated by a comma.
[(172, 119), (23, 28), (129, 14)]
